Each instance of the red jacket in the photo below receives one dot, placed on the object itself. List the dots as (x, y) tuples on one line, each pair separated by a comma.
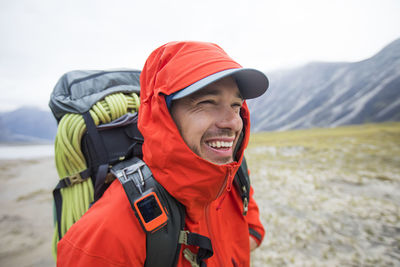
[(109, 234)]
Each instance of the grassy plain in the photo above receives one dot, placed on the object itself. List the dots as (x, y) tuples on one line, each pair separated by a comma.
[(328, 197)]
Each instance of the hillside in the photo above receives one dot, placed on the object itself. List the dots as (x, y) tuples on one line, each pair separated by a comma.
[(27, 124), (332, 94), (315, 95)]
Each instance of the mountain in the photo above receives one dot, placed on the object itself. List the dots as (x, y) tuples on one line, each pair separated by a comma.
[(331, 94), (315, 95), (27, 124)]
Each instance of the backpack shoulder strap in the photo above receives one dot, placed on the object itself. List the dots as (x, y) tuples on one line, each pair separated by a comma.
[(163, 242), (162, 246), (242, 184)]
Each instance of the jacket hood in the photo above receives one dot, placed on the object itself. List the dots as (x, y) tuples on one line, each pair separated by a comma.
[(192, 180)]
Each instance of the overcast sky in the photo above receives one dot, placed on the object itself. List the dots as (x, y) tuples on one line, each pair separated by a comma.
[(42, 39)]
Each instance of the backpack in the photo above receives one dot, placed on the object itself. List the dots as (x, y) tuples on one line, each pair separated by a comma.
[(97, 141)]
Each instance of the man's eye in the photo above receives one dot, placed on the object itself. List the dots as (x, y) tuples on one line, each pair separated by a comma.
[(237, 105), (205, 102)]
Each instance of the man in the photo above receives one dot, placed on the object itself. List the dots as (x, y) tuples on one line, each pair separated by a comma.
[(196, 126)]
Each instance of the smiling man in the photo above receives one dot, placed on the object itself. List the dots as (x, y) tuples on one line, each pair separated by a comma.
[(196, 125), (209, 120)]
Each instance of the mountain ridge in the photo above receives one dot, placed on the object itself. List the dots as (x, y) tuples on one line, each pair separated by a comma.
[(318, 94), (329, 94), (27, 124)]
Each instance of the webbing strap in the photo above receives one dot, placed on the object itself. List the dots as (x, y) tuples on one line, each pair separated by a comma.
[(100, 185), (95, 137), (204, 243), (58, 206), (101, 154), (242, 183), (74, 179), (66, 182), (162, 246)]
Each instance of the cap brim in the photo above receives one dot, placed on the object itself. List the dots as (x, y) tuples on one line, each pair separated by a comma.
[(251, 83)]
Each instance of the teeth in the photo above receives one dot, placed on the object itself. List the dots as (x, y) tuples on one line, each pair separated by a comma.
[(219, 144)]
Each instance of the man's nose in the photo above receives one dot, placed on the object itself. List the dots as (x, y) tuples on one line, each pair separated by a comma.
[(229, 118)]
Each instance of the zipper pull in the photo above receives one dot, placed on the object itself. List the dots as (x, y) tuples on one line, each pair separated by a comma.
[(230, 180)]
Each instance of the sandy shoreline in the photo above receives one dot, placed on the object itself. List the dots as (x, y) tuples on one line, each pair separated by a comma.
[(26, 220)]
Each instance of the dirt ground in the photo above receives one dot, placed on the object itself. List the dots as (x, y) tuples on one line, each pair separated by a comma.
[(26, 220), (325, 200), (328, 197)]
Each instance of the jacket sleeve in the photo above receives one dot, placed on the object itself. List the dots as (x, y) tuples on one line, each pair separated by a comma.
[(256, 229), (99, 247), (107, 235), (70, 255)]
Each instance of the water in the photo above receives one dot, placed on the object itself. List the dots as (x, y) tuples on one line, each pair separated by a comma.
[(12, 152)]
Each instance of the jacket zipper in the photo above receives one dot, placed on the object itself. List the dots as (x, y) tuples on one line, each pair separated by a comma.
[(209, 227), (210, 230)]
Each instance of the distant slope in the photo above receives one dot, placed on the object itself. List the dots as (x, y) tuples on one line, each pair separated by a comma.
[(27, 124), (316, 95), (332, 94)]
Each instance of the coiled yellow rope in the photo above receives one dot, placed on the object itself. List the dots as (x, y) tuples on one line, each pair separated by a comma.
[(70, 160)]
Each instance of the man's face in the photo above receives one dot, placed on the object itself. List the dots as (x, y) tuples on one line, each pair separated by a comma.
[(209, 120)]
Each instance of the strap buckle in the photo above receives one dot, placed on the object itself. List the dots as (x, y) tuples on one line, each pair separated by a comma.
[(122, 175), (74, 179), (245, 201), (183, 237), (191, 257), (245, 206)]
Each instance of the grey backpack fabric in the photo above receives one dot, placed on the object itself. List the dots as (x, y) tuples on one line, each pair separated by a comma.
[(77, 91)]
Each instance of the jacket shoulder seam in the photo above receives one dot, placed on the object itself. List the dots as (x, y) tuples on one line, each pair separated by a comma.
[(93, 255)]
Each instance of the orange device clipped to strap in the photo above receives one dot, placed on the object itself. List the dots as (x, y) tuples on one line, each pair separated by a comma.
[(150, 211), (135, 178)]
